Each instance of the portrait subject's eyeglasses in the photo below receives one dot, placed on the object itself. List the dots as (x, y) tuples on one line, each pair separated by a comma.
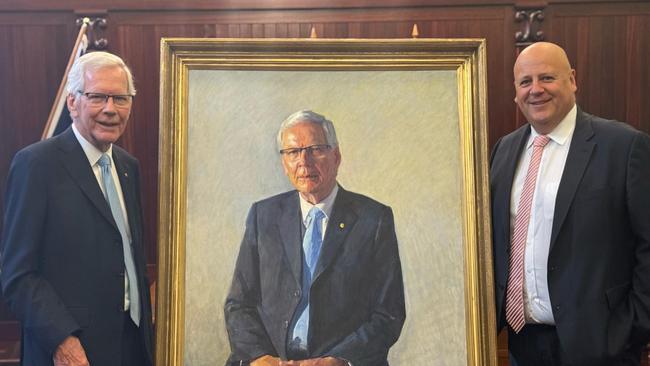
[(100, 99), (316, 151)]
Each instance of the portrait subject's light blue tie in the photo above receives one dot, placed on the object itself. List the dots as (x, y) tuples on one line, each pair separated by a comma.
[(311, 246), (110, 193)]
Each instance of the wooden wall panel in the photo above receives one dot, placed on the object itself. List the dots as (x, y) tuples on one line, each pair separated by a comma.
[(610, 48), (175, 5)]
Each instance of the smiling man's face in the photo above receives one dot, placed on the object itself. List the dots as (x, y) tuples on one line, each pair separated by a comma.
[(101, 125), (545, 85)]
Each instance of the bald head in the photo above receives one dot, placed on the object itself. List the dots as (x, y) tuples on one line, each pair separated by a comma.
[(545, 85), (547, 52)]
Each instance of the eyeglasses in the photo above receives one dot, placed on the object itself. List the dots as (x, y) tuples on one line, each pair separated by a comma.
[(100, 99), (316, 151)]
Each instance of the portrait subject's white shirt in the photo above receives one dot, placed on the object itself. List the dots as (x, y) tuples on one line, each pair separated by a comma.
[(93, 154), (537, 303), (325, 205)]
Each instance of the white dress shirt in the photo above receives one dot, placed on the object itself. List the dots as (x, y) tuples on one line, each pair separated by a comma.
[(325, 205), (537, 302), (93, 154)]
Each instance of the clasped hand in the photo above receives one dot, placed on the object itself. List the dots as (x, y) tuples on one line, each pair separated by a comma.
[(321, 361), (70, 353)]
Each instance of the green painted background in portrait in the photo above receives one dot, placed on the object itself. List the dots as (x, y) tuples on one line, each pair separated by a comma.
[(399, 138)]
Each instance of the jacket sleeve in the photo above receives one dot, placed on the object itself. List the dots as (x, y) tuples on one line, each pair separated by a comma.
[(638, 204), (369, 344), (246, 332), (31, 298)]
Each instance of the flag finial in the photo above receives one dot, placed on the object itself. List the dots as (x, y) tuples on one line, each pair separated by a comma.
[(414, 32)]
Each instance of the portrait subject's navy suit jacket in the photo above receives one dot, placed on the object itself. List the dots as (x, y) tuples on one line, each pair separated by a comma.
[(62, 259), (599, 259), (357, 295)]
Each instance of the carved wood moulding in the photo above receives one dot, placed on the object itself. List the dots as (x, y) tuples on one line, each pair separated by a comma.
[(96, 27), (531, 26)]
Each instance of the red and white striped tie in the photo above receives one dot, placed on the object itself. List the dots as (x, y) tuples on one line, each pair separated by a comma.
[(515, 290)]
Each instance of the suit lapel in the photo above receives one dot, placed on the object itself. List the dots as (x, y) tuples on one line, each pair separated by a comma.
[(514, 153), (290, 234), (574, 168), (339, 225), (128, 191), (76, 164)]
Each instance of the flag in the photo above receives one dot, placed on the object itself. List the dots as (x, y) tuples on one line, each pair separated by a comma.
[(59, 118)]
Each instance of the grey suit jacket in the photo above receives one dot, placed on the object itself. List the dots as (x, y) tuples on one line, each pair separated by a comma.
[(599, 260), (356, 298), (62, 258)]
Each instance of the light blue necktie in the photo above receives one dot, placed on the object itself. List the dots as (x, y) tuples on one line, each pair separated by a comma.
[(110, 193), (311, 246)]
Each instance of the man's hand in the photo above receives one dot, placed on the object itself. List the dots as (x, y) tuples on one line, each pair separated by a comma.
[(70, 353), (266, 360), (324, 361)]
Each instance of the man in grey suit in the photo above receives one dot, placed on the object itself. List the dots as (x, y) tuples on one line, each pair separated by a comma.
[(571, 225), (73, 266), (318, 279)]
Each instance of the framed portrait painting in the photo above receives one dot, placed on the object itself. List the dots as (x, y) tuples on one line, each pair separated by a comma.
[(411, 121)]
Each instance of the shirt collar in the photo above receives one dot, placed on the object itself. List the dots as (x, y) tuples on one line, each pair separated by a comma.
[(562, 132), (325, 205), (92, 153)]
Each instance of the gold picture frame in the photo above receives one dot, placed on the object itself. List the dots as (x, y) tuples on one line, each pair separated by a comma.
[(412, 122)]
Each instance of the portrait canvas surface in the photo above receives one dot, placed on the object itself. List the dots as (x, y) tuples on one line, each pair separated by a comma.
[(412, 136)]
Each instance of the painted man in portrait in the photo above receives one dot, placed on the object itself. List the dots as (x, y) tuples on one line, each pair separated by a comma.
[(318, 279)]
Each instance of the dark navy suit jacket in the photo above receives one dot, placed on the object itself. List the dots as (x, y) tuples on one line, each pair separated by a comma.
[(599, 260), (357, 295), (62, 258)]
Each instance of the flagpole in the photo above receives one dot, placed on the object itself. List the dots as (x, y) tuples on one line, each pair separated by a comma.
[(57, 105)]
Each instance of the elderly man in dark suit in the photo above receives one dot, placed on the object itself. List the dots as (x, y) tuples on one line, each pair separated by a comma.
[(318, 279), (571, 225), (73, 267)]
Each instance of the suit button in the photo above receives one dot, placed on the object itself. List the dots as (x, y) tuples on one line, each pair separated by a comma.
[(120, 308), (557, 307), (286, 324), (551, 268), (120, 274), (296, 293)]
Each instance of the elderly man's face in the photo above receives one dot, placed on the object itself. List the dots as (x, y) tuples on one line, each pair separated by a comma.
[(313, 175), (101, 124), (545, 86)]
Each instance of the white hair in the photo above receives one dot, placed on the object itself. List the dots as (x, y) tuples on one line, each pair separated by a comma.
[(93, 61), (307, 116)]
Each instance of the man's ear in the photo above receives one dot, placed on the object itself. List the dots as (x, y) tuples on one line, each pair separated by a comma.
[(337, 156), (71, 102), (572, 79)]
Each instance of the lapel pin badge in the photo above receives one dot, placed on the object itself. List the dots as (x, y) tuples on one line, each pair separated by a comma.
[(342, 225)]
